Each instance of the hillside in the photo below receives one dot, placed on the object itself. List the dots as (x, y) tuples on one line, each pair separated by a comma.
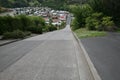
[(18, 3), (3, 10), (56, 4)]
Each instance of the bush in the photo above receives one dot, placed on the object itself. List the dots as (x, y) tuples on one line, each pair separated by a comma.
[(93, 22), (15, 34), (5, 23), (90, 23), (37, 21), (63, 24), (98, 22), (21, 22), (37, 30), (74, 24), (52, 28), (27, 33), (108, 7), (81, 12), (26, 22), (108, 24), (45, 29)]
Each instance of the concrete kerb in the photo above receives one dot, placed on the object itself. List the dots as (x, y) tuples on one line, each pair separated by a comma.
[(9, 42), (15, 40), (90, 64)]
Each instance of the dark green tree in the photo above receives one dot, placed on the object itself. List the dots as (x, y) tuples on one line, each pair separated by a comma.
[(108, 7)]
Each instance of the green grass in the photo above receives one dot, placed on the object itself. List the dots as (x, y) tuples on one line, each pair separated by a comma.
[(118, 30), (84, 33)]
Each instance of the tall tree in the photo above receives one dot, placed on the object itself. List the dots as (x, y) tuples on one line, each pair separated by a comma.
[(108, 7)]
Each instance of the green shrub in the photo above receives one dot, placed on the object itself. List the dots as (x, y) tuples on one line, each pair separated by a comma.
[(27, 33), (21, 22), (45, 29), (108, 24), (63, 24), (98, 22), (52, 28), (97, 15), (108, 7), (90, 23), (81, 12), (26, 22), (1, 25), (74, 24), (15, 34), (38, 21), (93, 22), (5, 23), (37, 30)]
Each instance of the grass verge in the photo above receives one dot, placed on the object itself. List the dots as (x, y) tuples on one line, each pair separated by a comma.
[(118, 30), (84, 33)]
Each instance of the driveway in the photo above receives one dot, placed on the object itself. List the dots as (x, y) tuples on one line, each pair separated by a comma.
[(105, 54)]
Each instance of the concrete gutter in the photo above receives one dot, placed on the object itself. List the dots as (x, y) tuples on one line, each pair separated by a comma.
[(5, 42), (91, 66)]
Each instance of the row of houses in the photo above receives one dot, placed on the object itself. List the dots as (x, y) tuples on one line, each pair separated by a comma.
[(55, 17)]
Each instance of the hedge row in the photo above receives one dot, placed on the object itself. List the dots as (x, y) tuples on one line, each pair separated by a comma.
[(19, 26), (15, 34), (22, 22)]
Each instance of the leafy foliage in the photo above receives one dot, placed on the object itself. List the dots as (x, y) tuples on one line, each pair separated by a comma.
[(74, 24), (37, 30), (22, 22), (108, 24), (81, 12), (108, 7), (52, 28), (55, 4), (97, 21), (15, 34), (18, 3), (93, 22)]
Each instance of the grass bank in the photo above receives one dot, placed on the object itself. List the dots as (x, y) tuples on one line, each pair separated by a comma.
[(84, 33)]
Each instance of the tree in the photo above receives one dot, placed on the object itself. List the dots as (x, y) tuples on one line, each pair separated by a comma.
[(81, 13), (108, 7)]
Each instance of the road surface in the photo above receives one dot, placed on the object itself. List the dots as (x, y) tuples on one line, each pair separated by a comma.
[(105, 54), (51, 56), (7, 13)]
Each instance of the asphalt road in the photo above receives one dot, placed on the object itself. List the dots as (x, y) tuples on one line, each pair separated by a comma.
[(51, 56), (46, 57), (105, 54), (7, 13), (10, 53)]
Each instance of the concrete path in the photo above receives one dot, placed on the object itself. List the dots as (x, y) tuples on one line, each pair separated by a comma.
[(105, 54), (51, 56), (56, 56)]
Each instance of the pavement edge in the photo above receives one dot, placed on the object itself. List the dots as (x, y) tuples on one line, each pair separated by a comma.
[(90, 64), (9, 42)]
